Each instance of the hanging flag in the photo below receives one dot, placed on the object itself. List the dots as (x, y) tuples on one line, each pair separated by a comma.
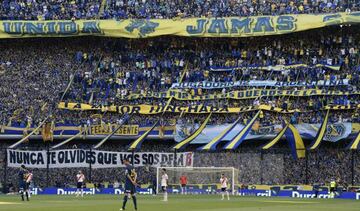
[(68, 140), (47, 132), (354, 145), (24, 138), (276, 139), (295, 142), (124, 120), (213, 143), (137, 143), (161, 128), (233, 144), (25, 134), (167, 104), (321, 132), (197, 132)]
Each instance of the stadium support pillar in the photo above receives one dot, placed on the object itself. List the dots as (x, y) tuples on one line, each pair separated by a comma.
[(261, 167), (352, 166), (306, 167), (132, 157), (174, 165), (157, 181), (90, 168), (47, 164), (5, 172), (175, 158)]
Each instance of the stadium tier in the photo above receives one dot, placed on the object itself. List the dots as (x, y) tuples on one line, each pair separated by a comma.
[(119, 9), (257, 98)]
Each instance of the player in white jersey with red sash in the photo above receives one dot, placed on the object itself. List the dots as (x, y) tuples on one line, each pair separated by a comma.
[(164, 184), (224, 185), (80, 178), (29, 177)]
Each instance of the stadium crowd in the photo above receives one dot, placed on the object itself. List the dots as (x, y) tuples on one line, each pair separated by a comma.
[(36, 74), (110, 71), (120, 9)]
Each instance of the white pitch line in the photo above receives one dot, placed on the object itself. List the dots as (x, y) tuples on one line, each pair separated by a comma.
[(8, 203)]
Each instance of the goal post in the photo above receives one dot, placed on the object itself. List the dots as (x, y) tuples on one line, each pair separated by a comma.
[(199, 177)]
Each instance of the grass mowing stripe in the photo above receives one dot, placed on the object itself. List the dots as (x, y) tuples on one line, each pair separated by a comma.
[(292, 202), (176, 203)]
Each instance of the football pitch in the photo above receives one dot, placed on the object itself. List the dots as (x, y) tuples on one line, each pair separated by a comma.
[(175, 203)]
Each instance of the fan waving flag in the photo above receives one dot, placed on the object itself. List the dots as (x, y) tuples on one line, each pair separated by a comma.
[(239, 138), (213, 143), (321, 133), (182, 144)]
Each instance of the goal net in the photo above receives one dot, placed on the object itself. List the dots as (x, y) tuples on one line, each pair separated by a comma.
[(200, 180)]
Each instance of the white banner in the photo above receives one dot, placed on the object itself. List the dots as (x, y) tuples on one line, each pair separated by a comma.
[(256, 83), (71, 158)]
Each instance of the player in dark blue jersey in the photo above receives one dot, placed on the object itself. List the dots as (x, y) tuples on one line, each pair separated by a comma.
[(130, 184), (23, 172)]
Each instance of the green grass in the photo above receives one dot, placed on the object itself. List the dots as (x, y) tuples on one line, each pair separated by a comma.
[(175, 203)]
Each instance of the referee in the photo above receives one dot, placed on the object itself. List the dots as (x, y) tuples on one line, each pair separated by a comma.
[(333, 187)]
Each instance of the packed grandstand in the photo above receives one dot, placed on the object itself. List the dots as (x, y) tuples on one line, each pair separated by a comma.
[(224, 93), (120, 9)]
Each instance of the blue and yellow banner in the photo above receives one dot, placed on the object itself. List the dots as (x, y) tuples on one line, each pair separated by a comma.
[(355, 144), (193, 109), (335, 132), (191, 27), (137, 143), (277, 68), (215, 141), (195, 134), (239, 94), (321, 133), (295, 142), (276, 139), (240, 137), (258, 83), (65, 130)]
